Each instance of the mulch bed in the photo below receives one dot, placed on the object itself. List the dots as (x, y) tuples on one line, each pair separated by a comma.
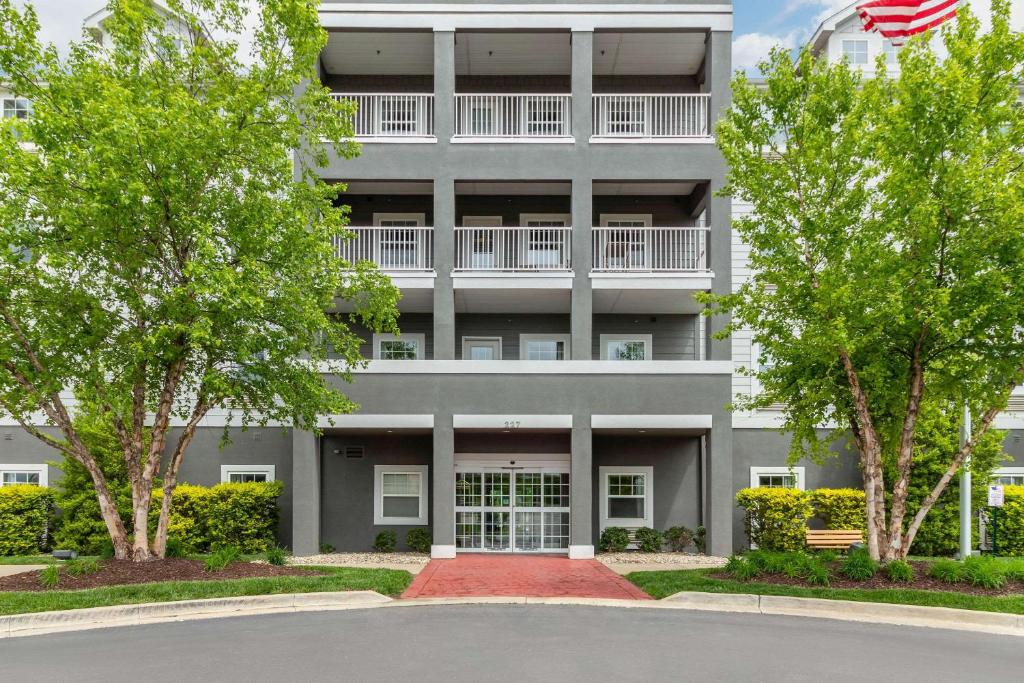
[(124, 572), (922, 581)]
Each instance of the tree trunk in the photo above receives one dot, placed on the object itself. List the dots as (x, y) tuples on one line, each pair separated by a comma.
[(171, 478), (108, 509)]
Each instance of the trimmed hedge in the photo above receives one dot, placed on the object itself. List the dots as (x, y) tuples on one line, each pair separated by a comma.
[(25, 514), (1009, 522), (240, 515), (840, 508), (775, 518)]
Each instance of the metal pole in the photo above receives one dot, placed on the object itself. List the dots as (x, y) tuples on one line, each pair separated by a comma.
[(965, 488)]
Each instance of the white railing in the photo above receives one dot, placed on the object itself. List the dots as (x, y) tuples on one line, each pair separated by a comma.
[(391, 248), (391, 115), (623, 249), (513, 249), (513, 116), (651, 116)]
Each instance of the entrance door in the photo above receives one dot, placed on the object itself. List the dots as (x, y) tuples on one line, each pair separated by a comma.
[(512, 509)]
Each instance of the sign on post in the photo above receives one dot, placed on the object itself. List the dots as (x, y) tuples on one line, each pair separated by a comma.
[(995, 496)]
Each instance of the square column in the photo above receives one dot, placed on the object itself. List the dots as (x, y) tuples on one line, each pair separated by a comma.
[(443, 501), (444, 85), (305, 493), (581, 476), (581, 324), (718, 72), (444, 261), (582, 85), (719, 488)]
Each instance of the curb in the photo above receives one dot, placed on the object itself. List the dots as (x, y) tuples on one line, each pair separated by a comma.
[(849, 610)]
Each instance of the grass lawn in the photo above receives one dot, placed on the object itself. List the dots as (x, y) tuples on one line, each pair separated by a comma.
[(666, 583), (27, 559), (387, 581)]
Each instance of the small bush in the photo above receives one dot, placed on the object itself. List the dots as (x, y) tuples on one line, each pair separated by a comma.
[(741, 568), (614, 539), (827, 556), (105, 549), (385, 541), (277, 556), (1015, 570), (775, 518), (949, 571), (648, 540), (242, 515), (899, 571), (984, 572), (82, 566), (768, 562), (732, 563), (799, 565), (175, 548), (700, 539), (50, 577), (26, 513), (326, 548), (1008, 525), (839, 508), (818, 575), (678, 538), (418, 540), (859, 566), (220, 558)]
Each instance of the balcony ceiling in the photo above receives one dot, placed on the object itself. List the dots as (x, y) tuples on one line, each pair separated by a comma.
[(528, 188), (647, 54), (379, 54), (521, 54)]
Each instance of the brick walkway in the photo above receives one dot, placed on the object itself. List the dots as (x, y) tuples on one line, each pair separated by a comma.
[(541, 576)]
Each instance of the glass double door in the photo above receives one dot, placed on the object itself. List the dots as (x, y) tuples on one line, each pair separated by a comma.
[(512, 509)]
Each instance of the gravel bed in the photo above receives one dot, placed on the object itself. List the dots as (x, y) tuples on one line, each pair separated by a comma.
[(361, 559), (681, 559)]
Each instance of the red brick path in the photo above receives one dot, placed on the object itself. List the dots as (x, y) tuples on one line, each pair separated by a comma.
[(542, 576)]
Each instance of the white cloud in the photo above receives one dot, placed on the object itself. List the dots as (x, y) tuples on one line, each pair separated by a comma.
[(751, 48), (61, 21)]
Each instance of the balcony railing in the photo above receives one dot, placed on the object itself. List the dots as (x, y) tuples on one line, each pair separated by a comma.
[(651, 116), (391, 115), (527, 249), (391, 248), (513, 116), (645, 249)]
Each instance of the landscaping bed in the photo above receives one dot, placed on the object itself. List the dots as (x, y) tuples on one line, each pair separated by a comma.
[(124, 572)]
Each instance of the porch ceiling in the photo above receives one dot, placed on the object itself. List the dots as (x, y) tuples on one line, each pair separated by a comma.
[(378, 53), (647, 54)]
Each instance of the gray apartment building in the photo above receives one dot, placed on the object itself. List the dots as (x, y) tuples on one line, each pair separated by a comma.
[(541, 181)]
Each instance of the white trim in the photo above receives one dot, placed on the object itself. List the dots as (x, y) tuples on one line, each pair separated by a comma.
[(396, 139), (227, 470), (646, 218), (647, 339), (553, 279), (581, 552), (474, 140), (1008, 472), (539, 367), (481, 221), (472, 338), (420, 218), (378, 499), (512, 423), (565, 218), (756, 472), (648, 518), (379, 337), (642, 280), (564, 338), (650, 421), (42, 469), (380, 421), (625, 140), (442, 552)]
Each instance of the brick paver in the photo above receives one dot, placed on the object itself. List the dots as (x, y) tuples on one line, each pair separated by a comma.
[(540, 576)]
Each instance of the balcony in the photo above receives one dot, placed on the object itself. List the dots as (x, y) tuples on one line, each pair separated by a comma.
[(650, 249), (404, 116), (515, 117), (405, 249), (627, 117), (513, 249)]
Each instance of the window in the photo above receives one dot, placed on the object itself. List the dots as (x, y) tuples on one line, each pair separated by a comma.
[(777, 477), (625, 248), (246, 474), (16, 108), (625, 116), (398, 347), (1008, 476), (546, 244), (891, 52), (544, 116), (626, 496), (400, 494), (397, 115), (481, 348), (16, 475), (543, 347), (626, 347), (856, 51)]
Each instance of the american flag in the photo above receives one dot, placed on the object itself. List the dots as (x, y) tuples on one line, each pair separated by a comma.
[(898, 19)]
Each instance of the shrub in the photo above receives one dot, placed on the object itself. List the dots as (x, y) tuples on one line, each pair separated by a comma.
[(985, 572), (50, 576), (768, 562), (221, 558), (1008, 523), (648, 540), (949, 571), (418, 540), (899, 571), (385, 541), (775, 518), (82, 566), (175, 548), (326, 548), (678, 538), (732, 563), (859, 566), (799, 565), (818, 574), (741, 568), (1015, 570), (242, 515), (839, 508), (827, 556), (700, 539), (277, 556), (26, 514), (614, 539)]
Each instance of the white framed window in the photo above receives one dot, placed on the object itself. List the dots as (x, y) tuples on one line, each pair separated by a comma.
[(1008, 476), (246, 474), (481, 348), (15, 475), (399, 220), (626, 346), (481, 221), (545, 220), (891, 52), (856, 51), (777, 477), (16, 108), (625, 115), (400, 495), (544, 347), (627, 496), (626, 220), (544, 116), (398, 114), (388, 346)]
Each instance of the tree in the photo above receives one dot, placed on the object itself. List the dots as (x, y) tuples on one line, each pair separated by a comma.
[(166, 251), (887, 249)]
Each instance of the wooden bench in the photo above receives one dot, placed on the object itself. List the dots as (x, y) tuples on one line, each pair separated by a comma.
[(834, 539)]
